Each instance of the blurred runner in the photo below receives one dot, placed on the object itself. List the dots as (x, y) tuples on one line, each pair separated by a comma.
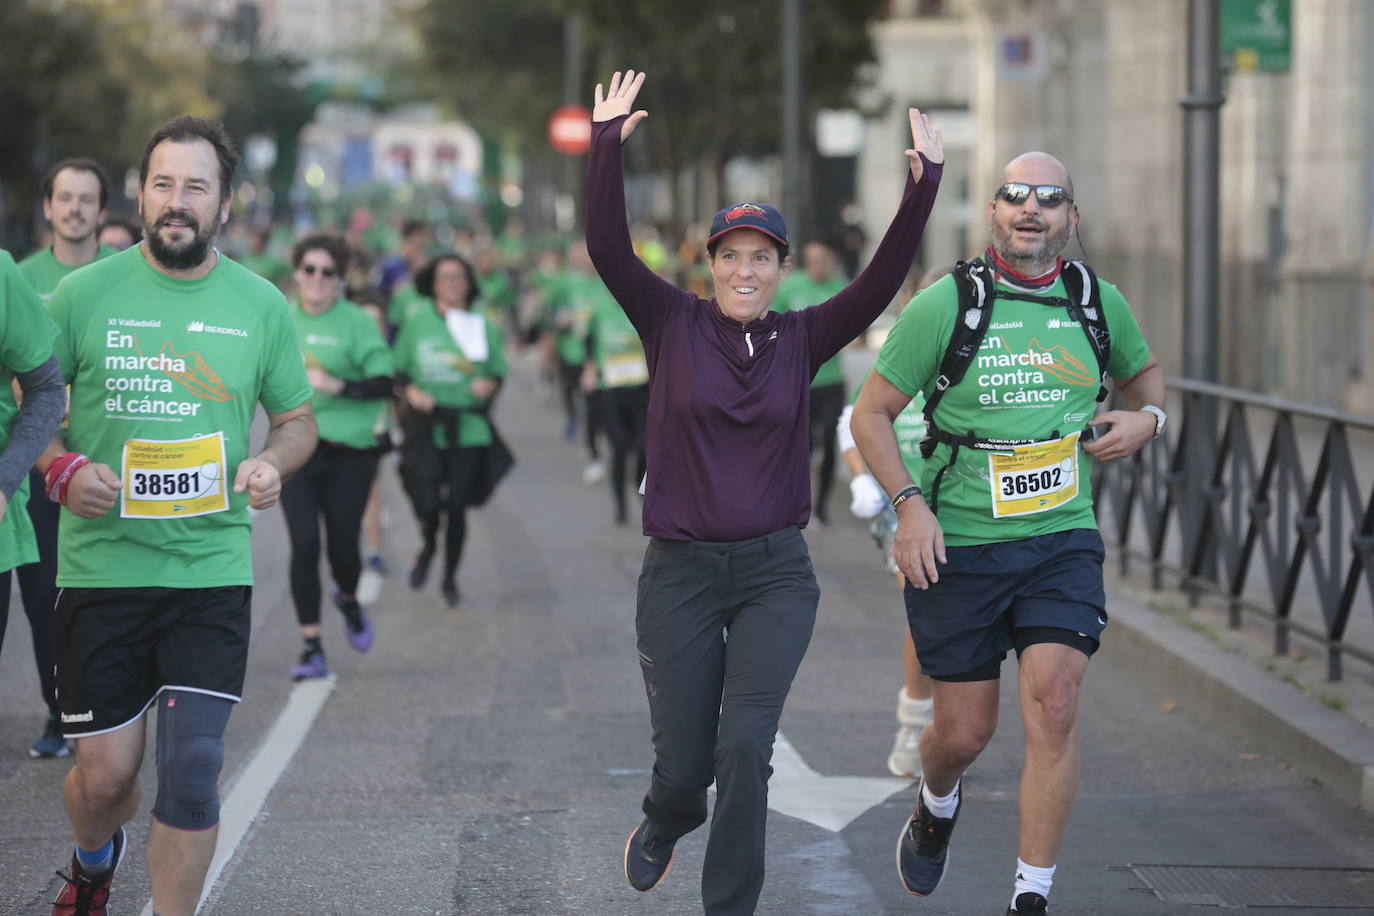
[(617, 371), (119, 233), (75, 192), (349, 367), (450, 360)]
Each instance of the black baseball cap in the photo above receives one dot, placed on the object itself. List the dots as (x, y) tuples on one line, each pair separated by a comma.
[(762, 217)]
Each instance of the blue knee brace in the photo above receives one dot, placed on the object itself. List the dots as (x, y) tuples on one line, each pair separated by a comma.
[(190, 752)]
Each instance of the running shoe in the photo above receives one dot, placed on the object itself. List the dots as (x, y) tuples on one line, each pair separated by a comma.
[(905, 758), (419, 570), (357, 627), (648, 857), (594, 472), (377, 563), (923, 848), (1029, 904), (83, 894), (369, 587), (452, 597), (311, 665), (51, 744)]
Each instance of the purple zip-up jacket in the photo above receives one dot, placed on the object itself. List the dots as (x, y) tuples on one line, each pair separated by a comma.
[(729, 422)]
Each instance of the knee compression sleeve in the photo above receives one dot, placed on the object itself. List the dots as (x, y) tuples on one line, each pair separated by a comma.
[(190, 752)]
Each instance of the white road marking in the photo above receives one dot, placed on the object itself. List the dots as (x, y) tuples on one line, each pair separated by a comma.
[(830, 802), (255, 783)]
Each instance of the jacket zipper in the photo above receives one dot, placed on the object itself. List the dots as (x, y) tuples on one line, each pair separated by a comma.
[(750, 342)]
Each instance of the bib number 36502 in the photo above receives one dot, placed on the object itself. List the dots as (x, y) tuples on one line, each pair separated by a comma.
[(177, 478), (1034, 478)]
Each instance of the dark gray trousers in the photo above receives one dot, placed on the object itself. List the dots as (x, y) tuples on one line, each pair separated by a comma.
[(722, 628)]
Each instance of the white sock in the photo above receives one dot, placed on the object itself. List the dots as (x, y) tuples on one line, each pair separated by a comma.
[(940, 806), (911, 712), (1032, 878)]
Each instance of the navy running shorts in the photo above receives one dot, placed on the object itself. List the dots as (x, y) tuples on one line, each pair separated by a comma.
[(965, 624)]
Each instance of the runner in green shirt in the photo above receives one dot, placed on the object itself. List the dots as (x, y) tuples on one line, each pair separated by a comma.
[(618, 371), (1009, 474), (26, 335), (169, 348), (815, 283), (349, 367), (75, 192), (451, 362), (261, 261), (498, 292), (569, 303)]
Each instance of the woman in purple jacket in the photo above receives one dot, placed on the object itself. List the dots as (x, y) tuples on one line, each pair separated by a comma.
[(726, 497)]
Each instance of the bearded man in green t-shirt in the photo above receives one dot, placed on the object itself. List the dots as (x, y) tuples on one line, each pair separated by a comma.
[(168, 348), (1008, 473)]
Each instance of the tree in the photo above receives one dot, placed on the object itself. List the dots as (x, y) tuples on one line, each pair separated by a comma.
[(715, 68)]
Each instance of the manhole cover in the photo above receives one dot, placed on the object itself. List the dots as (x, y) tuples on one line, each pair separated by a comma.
[(1242, 886)]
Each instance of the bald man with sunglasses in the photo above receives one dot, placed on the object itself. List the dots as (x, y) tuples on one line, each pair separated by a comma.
[(998, 540)]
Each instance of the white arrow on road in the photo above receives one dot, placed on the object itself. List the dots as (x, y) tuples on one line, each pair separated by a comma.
[(830, 802)]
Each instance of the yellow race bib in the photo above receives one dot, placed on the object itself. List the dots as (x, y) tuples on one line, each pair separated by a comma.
[(177, 478), (624, 369), (1034, 478)]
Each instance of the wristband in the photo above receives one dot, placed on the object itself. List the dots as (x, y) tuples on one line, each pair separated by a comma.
[(905, 494), (59, 475)]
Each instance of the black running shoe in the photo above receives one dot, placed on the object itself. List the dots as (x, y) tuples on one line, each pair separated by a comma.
[(923, 847), (419, 570), (452, 597), (648, 858), (1029, 904)]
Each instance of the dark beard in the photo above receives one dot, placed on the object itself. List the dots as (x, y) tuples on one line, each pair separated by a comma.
[(187, 255)]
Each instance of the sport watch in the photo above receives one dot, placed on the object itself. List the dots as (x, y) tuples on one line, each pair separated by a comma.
[(1160, 418)]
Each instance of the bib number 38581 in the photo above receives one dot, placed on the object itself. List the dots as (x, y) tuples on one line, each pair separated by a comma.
[(177, 478), (1034, 478)]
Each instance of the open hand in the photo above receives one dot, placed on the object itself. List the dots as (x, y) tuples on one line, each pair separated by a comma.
[(619, 100), (925, 139)]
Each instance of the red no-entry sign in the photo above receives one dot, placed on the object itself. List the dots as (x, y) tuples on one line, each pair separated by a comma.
[(570, 130)]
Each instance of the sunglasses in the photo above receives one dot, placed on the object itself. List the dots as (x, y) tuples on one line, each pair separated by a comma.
[(1047, 195), (310, 270)]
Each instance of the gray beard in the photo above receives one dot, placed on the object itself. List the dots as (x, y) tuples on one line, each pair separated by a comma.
[(1050, 248)]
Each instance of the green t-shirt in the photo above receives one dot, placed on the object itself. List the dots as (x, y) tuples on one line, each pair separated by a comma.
[(1035, 375), (43, 271), (798, 291), (498, 295), (344, 341), (403, 301), (149, 357), (616, 346), (910, 427), (26, 338), (268, 266), (427, 353), (571, 299)]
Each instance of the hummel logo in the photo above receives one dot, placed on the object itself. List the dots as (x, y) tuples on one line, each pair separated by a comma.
[(87, 716)]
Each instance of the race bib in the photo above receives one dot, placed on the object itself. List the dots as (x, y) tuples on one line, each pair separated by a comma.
[(625, 369), (177, 478), (1034, 478)]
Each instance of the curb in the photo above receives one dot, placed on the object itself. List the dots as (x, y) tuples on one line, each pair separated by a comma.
[(1227, 691)]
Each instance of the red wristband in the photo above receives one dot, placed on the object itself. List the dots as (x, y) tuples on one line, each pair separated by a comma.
[(59, 475)]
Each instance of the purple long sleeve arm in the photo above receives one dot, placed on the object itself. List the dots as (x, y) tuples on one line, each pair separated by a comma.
[(729, 404)]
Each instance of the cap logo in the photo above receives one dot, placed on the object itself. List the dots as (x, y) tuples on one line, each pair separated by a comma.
[(742, 211)]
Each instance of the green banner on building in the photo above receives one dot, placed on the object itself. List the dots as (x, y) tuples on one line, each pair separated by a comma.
[(1257, 34)]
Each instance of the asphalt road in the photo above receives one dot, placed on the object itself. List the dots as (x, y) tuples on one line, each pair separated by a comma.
[(491, 759)]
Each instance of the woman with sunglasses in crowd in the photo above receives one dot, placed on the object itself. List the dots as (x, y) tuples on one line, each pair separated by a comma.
[(350, 370), (727, 494), (449, 358)]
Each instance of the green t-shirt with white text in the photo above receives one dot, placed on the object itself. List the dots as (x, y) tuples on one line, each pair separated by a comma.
[(343, 341), (26, 338), (43, 271), (618, 351), (158, 367), (798, 291), (1034, 377), (428, 355)]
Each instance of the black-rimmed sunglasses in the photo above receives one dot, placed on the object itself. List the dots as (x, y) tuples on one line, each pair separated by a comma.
[(1047, 195), (327, 272)]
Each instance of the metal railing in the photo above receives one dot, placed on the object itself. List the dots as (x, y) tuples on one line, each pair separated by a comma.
[(1205, 506)]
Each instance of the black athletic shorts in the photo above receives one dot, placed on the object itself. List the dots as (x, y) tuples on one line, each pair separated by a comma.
[(992, 598), (118, 647)]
